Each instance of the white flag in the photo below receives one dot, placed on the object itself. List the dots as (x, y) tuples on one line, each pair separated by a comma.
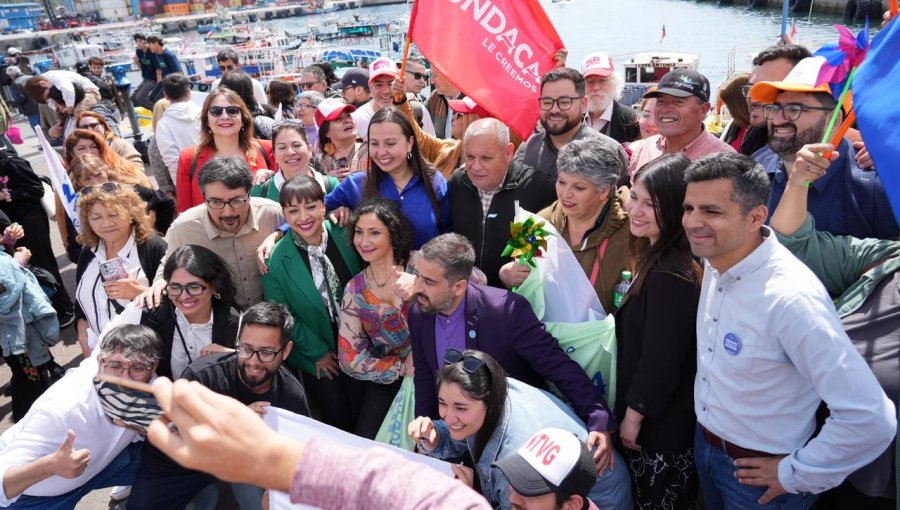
[(60, 178)]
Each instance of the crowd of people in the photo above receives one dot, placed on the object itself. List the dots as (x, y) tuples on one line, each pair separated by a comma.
[(318, 249)]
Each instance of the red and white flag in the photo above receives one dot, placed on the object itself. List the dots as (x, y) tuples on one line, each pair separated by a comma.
[(493, 51)]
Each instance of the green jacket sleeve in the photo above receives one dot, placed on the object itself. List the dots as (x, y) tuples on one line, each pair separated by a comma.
[(838, 261)]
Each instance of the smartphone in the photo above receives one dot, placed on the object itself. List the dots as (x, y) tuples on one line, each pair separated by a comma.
[(128, 403), (113, 269)]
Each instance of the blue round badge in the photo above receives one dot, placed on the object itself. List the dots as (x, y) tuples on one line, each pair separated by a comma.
[(732, 344), (471, 333)]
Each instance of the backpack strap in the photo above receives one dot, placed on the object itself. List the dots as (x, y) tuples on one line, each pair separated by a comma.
[(194, 165), (265, 156)]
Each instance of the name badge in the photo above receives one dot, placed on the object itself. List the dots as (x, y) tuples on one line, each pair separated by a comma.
[(732, 344)]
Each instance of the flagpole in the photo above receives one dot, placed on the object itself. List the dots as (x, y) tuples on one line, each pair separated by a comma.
[(785, 9), (398, 97)]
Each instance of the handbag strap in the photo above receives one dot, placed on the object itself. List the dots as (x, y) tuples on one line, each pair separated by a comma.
[(601, 251)]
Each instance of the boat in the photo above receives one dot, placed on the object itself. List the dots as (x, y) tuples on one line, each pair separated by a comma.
[(644, 70), (205, 28)]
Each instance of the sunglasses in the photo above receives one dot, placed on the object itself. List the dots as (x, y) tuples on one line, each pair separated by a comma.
[(92, 125), (231, 111), (107, 187), (419, 76), (470, 364), (308, 84)]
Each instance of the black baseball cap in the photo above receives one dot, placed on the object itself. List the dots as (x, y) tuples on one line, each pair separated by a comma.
[(682, 83), (355, 77)]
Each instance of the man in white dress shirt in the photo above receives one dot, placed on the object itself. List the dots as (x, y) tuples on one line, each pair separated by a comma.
[(67, 446), (770, 349)]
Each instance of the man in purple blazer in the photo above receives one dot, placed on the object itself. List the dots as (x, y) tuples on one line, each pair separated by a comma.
[(452, 312)]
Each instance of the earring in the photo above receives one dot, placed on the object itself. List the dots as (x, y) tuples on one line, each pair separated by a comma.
[(409, 155), (217, 295)]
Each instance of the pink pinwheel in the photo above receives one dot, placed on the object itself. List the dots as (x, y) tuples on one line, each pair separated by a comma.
[(842, 58)]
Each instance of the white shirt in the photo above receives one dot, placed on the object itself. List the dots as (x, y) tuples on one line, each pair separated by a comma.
[(188, 341), (278, 180), (770, 347), (91, 295), (602, 120), (364, 114), (259, 93), (178, 129), (72, 403)]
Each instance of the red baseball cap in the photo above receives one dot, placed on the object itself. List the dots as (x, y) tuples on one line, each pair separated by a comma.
[(467, 105), (331, 109)]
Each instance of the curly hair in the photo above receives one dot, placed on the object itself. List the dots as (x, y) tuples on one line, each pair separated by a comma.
[(126, 170), (388, 212), (123, 202), (245, 137)]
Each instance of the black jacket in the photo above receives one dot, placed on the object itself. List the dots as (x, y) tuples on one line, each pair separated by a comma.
[(623, 126), (533, 190), (25, 188), (162, 320)]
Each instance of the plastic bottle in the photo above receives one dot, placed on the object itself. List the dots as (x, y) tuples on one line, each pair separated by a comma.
[(621, 288)]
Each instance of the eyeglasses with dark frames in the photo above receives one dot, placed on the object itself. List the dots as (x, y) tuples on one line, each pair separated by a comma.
[(235, 203), (420, 76), (791, 111), (231, 111), (470, 364), (564, 102), (92, 125), (306, 85), (745, 90), (107, 187), (264, 355), (193, 289)]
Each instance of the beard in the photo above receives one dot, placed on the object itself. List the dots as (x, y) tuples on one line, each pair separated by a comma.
[(790, 146), (255, 381), (598, 104), (432, 307), (568, 126)]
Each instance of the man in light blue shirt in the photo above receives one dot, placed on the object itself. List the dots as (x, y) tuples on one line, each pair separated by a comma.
[(770, 349)]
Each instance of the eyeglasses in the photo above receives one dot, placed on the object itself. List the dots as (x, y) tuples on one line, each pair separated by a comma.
[(265, 355), (231, 111), (419, 76), (135, 370), (306, 85), (303, 107), (646, 115), (564, 102), (470, 364), (107, 187), (745, 90), (92, 125), (193, 289), (790, 111), (235, 203)]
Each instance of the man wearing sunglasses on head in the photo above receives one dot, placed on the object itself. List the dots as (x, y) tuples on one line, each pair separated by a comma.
[(229, 60), (845, 200), (253, 375)]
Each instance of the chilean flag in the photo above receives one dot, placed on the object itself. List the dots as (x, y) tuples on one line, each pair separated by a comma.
[(663, 36), (494, 51)]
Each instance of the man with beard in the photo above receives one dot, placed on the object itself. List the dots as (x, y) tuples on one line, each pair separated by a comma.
[(771, 64), (846, 200), (563, 104), (682, 101), (452, 312), (253, 375), (604, 112), (229, 222), (382, 73)]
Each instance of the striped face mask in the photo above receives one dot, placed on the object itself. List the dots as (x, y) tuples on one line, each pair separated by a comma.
[(127, 408)]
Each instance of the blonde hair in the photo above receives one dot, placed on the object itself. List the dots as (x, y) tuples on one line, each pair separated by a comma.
[(123, 202), (158, 110)]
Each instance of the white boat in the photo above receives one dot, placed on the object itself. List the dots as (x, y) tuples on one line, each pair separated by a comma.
[(644, 70)]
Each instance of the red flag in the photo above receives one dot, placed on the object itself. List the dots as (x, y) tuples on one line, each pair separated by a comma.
[(493, 51)]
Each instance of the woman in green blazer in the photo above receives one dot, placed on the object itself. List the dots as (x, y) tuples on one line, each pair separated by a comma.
[(308, 270), (293, 157)]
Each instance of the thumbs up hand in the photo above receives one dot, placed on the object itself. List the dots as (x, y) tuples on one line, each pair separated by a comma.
[(68, 462), (404, 284)]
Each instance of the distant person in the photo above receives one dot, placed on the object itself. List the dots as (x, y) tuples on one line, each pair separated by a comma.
[(305, 110), (96, 72), (263, 114), (69, 93), (682, 101), (647, 120), (179, 127), (97, 123), (771, 64), (228, 61), (382, 73), (19, 99), (732, 97), (166, 64), (282, 96), (443, 91), (415, 77), (341, 150), (354, 86), (562, 107), (603, 87), (145, 60), (313, 78), (848, 200)]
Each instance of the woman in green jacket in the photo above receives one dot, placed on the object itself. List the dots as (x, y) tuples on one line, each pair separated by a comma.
[(293, 156), (308, 270)]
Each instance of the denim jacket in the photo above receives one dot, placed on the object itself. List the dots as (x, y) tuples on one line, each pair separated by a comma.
[(28, 322), (527, 410)]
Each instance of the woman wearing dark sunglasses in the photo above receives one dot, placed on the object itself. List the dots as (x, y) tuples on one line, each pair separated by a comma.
[(226, 129), (121, 253), (197, 316), (95, 122), (489, 415)]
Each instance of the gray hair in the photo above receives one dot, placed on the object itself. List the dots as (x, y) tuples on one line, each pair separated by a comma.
[(316, 71), (233, 172), (488, 126), (133, 342), (599, 160), (617, 85), (453, 252), (315, 97)]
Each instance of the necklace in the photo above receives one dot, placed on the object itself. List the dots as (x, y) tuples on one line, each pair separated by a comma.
[(375, 279)]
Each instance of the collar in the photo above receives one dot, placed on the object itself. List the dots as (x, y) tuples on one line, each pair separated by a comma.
[(701, 138), (606, 115), (278, 180), (184, 320), (752, 262), (100, 252), (459, 312), (496, 188), (212, 231)]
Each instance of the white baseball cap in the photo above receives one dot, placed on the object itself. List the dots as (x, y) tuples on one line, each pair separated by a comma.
[(597, 64), (381, 67), (553, 460), (330, 109)]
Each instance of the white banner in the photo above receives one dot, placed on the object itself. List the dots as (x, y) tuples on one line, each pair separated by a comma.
[(60, 178)]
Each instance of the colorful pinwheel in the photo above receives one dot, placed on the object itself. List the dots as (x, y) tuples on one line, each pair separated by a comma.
[(526, 239)]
